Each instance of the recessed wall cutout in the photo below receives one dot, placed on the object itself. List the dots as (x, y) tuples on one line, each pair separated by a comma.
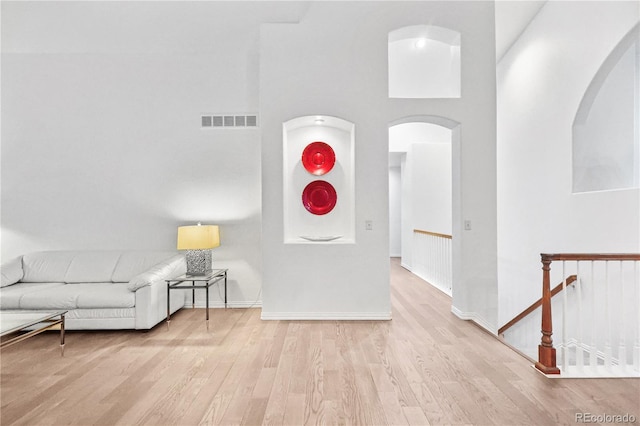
[(606, 129), (424, 62), (222, 121)]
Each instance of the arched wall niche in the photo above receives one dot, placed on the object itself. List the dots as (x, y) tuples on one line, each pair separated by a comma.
[(300, 225), (606, 128), (424, 62)]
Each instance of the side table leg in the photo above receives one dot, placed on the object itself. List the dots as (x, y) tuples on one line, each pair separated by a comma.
[(193, 295), (207, 302), (225, 289), (168, 303), (62, 335)]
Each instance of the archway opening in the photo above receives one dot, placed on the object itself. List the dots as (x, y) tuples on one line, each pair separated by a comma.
[(422, 178)]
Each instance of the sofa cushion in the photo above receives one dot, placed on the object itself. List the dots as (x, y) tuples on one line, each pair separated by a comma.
[(89, 266), (92, 266), (85, 295), (114, 295), (42, 267), (132, 263), (69, 266), (10, 296), (12, 272)]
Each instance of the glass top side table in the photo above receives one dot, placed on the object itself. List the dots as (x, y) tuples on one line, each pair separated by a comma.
[(193, 282)]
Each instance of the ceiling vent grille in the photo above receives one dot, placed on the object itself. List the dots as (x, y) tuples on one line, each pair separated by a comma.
[(229, 121)]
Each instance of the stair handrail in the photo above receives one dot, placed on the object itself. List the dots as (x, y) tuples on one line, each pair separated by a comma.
[(546, 352), (557, 289)]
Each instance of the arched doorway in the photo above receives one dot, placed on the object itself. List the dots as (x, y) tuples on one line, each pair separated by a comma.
[(423, 178)]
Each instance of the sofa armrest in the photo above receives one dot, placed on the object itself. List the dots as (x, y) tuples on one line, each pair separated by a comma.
[(168, 269), (150, 289), (151, 304), (12, 272)]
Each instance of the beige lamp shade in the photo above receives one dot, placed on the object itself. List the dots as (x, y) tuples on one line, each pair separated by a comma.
[(198, 237)]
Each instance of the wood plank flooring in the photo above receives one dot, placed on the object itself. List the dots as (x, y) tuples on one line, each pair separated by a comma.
[(425, 367)]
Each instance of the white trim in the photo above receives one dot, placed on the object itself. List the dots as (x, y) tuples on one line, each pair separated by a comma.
[(218, 304), (323, 316), (472, 316), (405, 266)]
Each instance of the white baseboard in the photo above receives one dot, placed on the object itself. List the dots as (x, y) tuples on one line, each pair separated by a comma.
[(327, 316), (218, 304), (472, 316), (318, 316), (405, 266)]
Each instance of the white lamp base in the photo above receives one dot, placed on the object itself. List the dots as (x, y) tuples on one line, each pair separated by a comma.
[(198, 262)]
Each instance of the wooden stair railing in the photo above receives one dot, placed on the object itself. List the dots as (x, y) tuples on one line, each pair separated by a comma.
[(546, 352), (557, 289), (433, 234)]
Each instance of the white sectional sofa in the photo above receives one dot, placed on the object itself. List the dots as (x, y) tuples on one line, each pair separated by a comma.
[(100, 289)]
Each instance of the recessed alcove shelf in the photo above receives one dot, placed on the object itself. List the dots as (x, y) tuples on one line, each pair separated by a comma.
[(301, 226), (424, 62)]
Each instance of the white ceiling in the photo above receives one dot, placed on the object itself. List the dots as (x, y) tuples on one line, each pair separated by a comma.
[(512, 18)]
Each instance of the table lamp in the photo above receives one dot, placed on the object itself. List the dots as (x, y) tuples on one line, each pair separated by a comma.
[(198, 240)]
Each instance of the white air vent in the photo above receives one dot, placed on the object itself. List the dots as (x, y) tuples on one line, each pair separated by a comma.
[(229, 121)]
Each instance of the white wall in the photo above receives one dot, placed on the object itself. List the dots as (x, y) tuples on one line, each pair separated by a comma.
[(395, 211), (101, 145), (432, 187), (335, 63), (103, 101), (310, 69), (541, 82)]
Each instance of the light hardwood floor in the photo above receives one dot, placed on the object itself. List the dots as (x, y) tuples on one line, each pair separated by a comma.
[(423, 367)]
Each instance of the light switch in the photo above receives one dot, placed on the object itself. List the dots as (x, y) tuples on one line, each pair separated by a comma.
[(368, 225), (467, 225)]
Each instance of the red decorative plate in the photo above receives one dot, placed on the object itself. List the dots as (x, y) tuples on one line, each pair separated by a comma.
[(318, 158), (319, 197)]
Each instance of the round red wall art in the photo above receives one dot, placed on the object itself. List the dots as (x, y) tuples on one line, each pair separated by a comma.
[(318, 158), (319, 197)]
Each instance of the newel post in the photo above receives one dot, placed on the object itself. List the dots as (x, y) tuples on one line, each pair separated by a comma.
[(546, 352)]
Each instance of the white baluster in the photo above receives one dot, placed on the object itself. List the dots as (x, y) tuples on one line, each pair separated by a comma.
[(443, 261), (593, 347), (579, 348), (438, 259), (622, 350), (607, 318), (430, 259), (449, 265), (564, 353), (636, 346), (433, 253)]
